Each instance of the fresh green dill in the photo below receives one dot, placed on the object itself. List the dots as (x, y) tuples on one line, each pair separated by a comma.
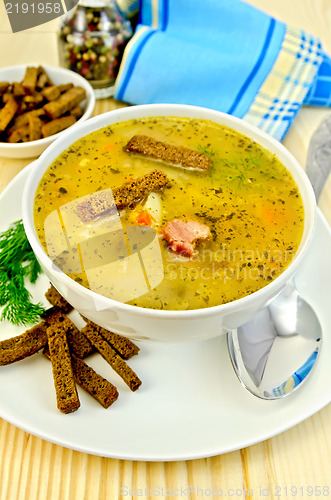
[(17, 263), (210, 152), (207, 150), (241, 170), (238, 171)]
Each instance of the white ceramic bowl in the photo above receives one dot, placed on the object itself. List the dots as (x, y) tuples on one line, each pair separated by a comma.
[(169, 326), (58, 76)]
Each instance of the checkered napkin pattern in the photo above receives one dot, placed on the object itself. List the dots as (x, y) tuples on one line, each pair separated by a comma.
[(319, 93), (285, 88), (227, 56)]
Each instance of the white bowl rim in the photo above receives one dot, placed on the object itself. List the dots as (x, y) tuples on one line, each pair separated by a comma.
[(242, 303), (90, 97)]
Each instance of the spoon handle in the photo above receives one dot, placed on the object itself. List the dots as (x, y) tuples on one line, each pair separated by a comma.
[(319, 152)]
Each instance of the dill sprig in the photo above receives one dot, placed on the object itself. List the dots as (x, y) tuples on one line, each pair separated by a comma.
[(238, 171), (210, 152), (17, 263), (207, 150)]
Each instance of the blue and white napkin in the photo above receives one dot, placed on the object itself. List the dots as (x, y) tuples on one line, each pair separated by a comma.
[(225, 55)]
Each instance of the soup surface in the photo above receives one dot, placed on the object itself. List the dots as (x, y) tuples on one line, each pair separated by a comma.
[(247, 200)]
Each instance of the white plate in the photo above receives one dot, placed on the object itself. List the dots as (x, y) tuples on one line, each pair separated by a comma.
[(190, 405)]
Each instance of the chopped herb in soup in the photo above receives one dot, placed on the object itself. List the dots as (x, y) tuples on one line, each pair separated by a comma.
[(222, 214)]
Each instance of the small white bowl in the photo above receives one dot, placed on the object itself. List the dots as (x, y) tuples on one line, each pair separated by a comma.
[(58, 76), (163, 325)]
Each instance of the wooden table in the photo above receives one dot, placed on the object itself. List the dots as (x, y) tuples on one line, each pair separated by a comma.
[(33, 469)]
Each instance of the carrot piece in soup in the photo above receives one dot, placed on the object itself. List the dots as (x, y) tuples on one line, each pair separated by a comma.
[(269, 215), (144, 219), (109, 147)]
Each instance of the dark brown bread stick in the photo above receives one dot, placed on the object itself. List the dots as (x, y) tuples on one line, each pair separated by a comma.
[(96, 385), (22, 346), (93, 383), (35, 125), (65, 102), (30, 78), (131, 193), (51, 93), (115, 361), (125, 196), (64, 382), (19, 134), (7, 113), (76, 112), (18, 89), (57, 125), (79, 344), (174, 155), (122, 345), (56, 300), (64, 87), (23, 119), (43, 78)]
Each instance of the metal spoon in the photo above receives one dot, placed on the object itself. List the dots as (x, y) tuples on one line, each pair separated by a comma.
[(274, 353)]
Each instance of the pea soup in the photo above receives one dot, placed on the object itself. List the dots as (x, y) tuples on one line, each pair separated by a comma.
[(246, 202)]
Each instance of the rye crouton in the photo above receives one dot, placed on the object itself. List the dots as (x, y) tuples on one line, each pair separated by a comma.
[(56, 300), (20, 134), (24, 345), (35, 125), (174, 155), (51, 93), (43, 78), (30, 78), (122, 345), (97, 386), (64, 87), (23, 119), (65, 102), (110, 355), (79, 344), (64, 382), (125, 196), (7, 113), (57, 125)]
